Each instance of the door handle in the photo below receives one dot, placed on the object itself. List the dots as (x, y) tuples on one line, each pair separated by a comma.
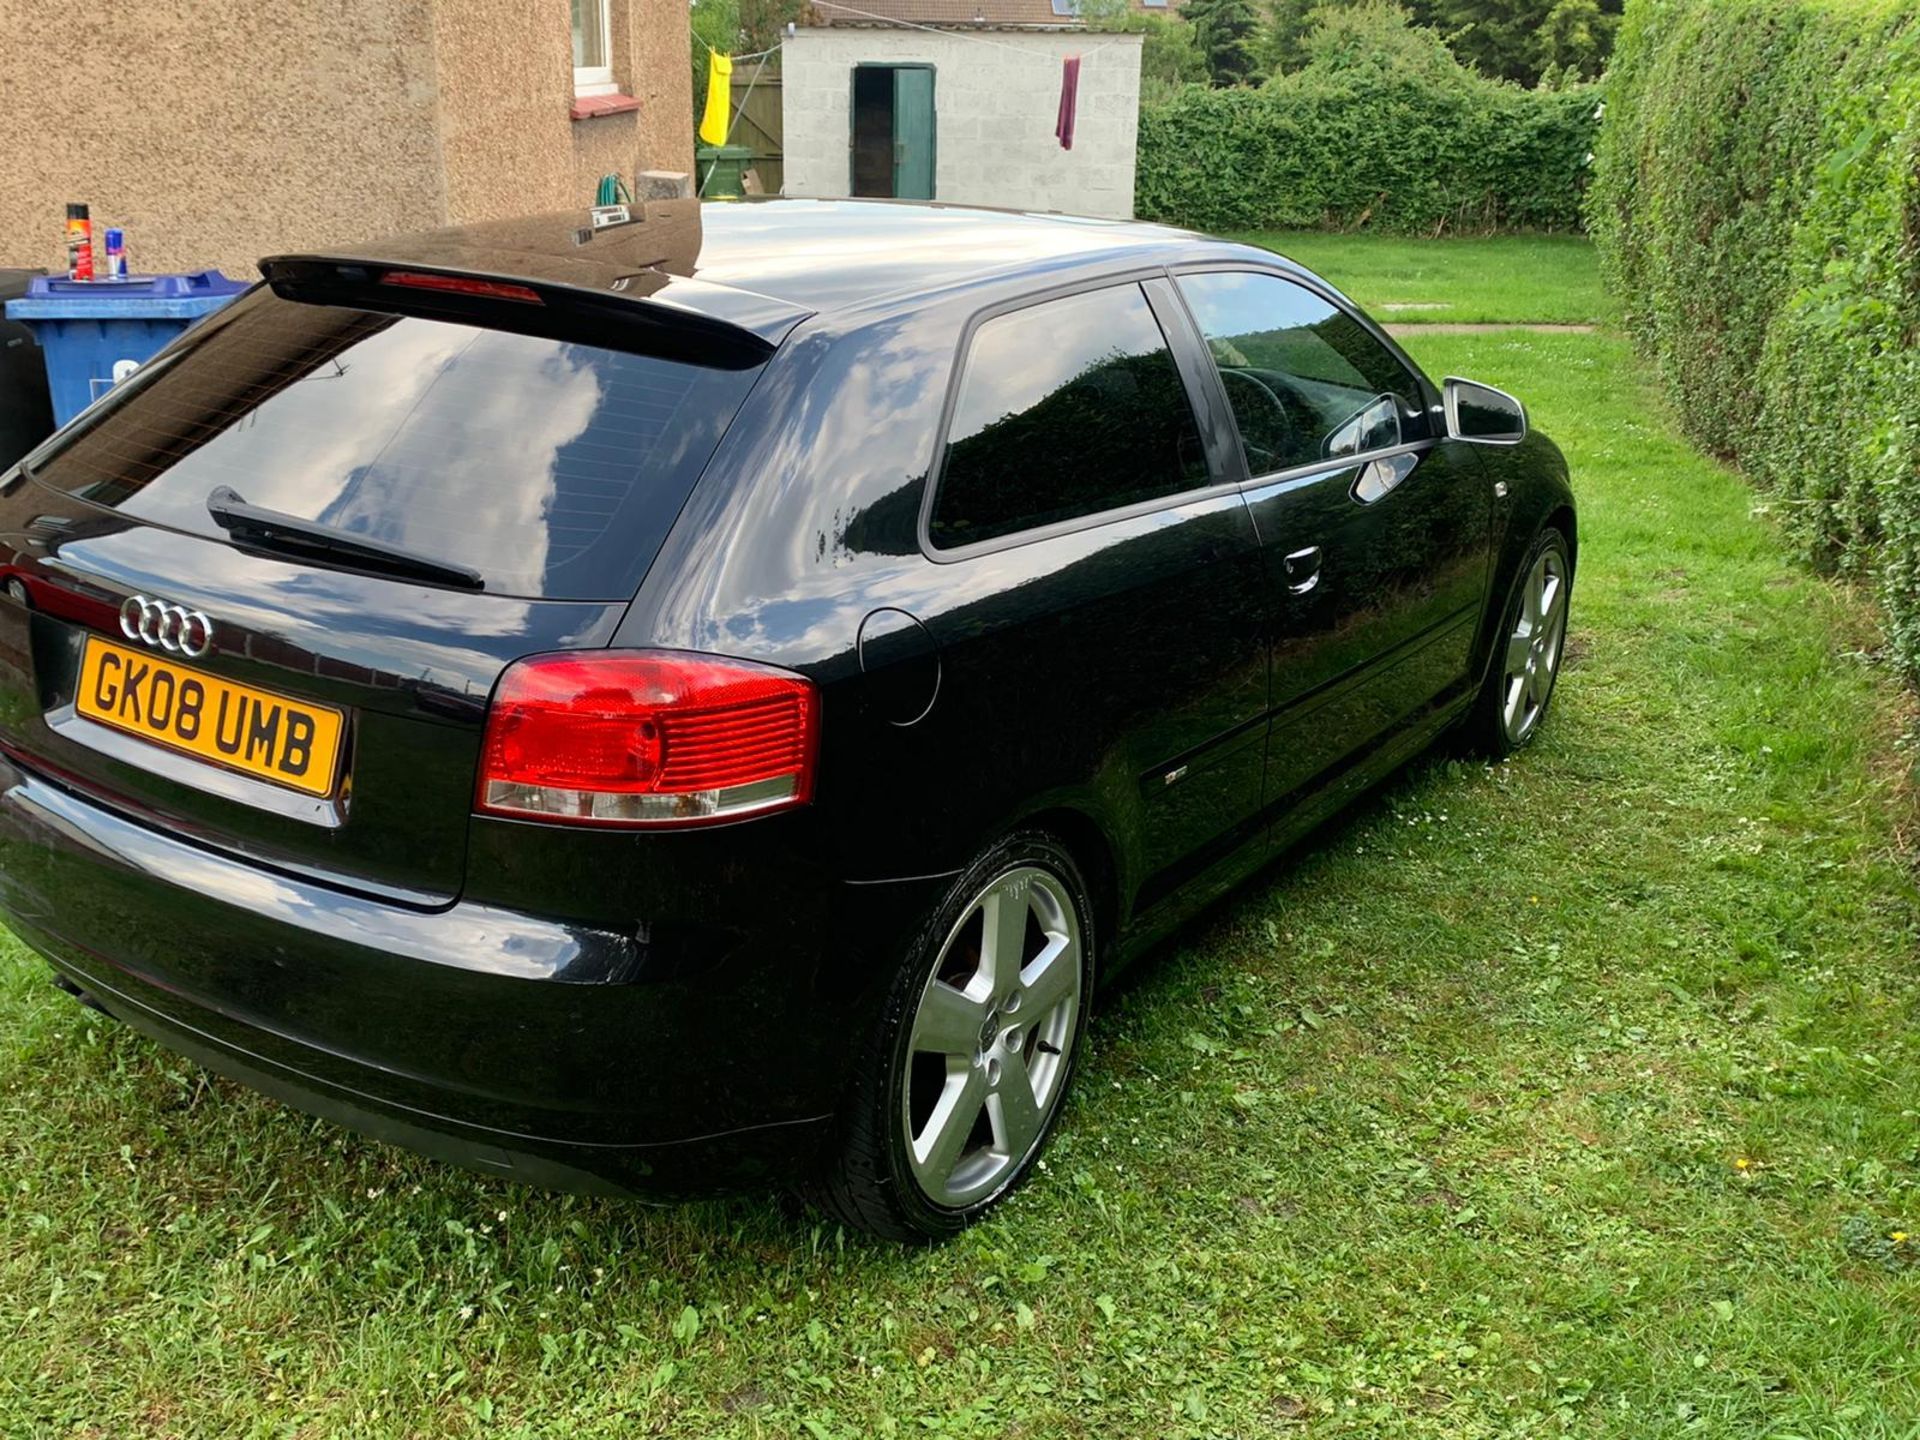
[(1303, 570)]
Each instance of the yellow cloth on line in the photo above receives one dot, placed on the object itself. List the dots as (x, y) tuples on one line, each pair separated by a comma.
[(713, 121)]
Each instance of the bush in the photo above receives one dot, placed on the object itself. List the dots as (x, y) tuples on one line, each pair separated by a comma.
[(1757, 207), (1381, 127)]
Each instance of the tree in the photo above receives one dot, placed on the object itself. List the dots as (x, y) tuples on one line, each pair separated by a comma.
[(1225, 31), (763, 23), (716, 25), (1283, 40), (1169, 49), (737, 27), (1169, 56), (1576, 38), (1380, 34), (1520, 39)]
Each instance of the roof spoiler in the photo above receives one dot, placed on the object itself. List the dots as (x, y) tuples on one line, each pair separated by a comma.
[(636, 311)]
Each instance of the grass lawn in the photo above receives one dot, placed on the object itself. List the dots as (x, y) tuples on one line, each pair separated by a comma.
[(1576, 1095), (1550, 279)]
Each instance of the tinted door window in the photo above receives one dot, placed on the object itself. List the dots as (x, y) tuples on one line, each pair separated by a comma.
[(1066, 408), (1305, 379)]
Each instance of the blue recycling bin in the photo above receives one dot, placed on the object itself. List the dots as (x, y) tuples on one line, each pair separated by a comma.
[(97, 332)]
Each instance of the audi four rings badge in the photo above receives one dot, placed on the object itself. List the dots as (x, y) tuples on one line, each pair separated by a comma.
[(170, 627)]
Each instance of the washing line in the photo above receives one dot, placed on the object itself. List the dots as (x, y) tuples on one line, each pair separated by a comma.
[(764, 55), (754, 55), (957, 34), (960, 34)]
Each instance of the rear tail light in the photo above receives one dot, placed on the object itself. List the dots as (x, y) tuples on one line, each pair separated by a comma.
[(638, 738)]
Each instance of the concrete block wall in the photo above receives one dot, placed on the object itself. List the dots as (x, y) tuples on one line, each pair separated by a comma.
[(996, 94)]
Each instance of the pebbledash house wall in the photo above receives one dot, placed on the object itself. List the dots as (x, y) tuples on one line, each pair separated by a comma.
[(994, 110), (215, 133)]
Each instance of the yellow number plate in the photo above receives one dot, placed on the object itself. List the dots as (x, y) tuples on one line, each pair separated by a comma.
[(290, 742)]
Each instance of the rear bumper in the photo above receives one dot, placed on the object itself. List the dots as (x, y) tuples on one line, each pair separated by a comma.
[(566, 1055)]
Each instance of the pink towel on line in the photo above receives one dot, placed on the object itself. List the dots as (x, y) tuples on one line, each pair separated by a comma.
[(1069, 94)]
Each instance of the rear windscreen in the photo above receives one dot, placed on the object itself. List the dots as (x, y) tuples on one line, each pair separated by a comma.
[(552, 468)]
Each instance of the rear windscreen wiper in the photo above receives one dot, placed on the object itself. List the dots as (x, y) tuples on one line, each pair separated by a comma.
[(277, 530)]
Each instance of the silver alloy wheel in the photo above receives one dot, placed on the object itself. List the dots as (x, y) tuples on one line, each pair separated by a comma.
[(1533, 649), (991, 1037)]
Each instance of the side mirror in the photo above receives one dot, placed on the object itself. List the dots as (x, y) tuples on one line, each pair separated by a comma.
[(1483, 414)]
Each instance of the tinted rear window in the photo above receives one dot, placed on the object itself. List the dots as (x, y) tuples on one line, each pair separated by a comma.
[(552, 468)]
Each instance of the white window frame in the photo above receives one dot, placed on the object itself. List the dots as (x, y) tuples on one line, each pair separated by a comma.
[(597, 79)]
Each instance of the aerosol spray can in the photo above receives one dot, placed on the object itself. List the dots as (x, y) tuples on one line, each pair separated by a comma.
[(116, 254), (79, 243)]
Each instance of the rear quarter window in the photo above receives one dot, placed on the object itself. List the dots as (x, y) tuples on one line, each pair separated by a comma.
[(553, 468), (1066, 409)]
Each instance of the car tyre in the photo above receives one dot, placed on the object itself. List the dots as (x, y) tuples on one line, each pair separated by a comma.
[(1527, 650), (964, 1076)]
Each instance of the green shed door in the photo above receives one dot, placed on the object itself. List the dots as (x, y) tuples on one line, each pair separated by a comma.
[(913, 133)]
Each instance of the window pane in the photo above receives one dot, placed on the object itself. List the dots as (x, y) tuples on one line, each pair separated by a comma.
[(1067, 408), (1306, 381), (589, 35), (1375, 428), (552, 468)]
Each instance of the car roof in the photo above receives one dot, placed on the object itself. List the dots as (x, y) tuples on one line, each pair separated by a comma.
[(833, 254), (766, 262)]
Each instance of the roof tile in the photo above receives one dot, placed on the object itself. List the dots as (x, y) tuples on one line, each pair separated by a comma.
[(960, 14)]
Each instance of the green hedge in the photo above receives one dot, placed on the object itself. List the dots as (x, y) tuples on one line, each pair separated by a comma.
[(1391, 148), (1756, 202)]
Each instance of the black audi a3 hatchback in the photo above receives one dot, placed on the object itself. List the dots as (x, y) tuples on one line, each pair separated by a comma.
[(660, 700)]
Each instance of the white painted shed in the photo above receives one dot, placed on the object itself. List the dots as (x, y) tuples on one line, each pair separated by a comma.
[(958, 100)]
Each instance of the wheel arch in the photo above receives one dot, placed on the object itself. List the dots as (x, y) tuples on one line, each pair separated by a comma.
[(1539, 495), (1564, 520), (1093, 851)]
